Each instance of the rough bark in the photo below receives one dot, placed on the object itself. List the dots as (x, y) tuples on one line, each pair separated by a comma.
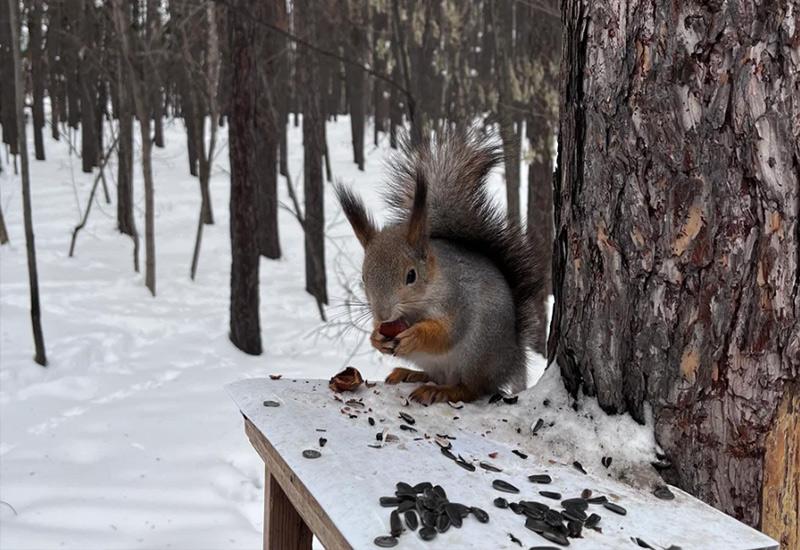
[(245, 328), (313, 147), (125, 220), (30, 246), (268, 124), (677, 243), (37, 75), (540, 191)]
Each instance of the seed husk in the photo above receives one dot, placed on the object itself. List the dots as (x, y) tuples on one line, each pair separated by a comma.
[(578, 503), (573, 514), (411, 520), (540, 478), (616, 508), (371, 421), (600, 499), (385, 541), (511, 400), (500, 502), (579, 467), (641, 543), (550, 494), (537, 426), (520, 454), (489, 467), (606, 461), (466, 465), (505, 486), (479, 514), (322, 441), (427, 533), (311, 453), (269, 403), (514, 539), (453, 515), (407, 417), (495, 398), (442, 523), (592, 520), (446, 452), (395, 525), (558, 538), (663, 492), (407, 428)]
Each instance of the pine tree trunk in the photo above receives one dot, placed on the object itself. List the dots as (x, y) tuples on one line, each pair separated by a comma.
[(313, 147), (125, 220), (87, 78), (8, 112), (245, 328), (540, 192), (37, 75), (676, 259), (30, 246)]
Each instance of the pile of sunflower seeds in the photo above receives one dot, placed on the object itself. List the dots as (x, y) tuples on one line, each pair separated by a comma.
[(555, 525), (426, 507)]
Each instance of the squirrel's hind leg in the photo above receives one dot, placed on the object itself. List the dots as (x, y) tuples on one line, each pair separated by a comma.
[(399, 374), (429, 394)]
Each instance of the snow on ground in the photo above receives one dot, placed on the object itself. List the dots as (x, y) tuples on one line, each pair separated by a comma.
[(128, 439)]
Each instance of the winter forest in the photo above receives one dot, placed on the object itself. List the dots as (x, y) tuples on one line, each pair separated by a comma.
[(172, 221)]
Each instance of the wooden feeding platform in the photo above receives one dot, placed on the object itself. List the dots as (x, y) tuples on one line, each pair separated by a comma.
[(326, 471)]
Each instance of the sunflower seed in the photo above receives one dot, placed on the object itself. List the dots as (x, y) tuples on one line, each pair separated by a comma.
[(495, 398), (519, 453), (407, 417), (616, 508), (271, 404), (442, 523), (663, 492), (505, 486), (389, 502), (371, 421), (537, 426), (407, 428), (311, 453), (385, 541), (511, 400), (550, 494), (641, 543), (578, 503), (551, 517), (558, 538), (573, 514), (322, 441), (515, 507), (606, 461), (489, 467), (542, 548), (597, 500), (411, 520), (446, 452), (592, 520), (579, 467), (500, 502), (479, 514), (574, 529), (420, 487), (395, 525), (453, 515), (427, 533), (439, 490), (466, 465), (536, 525), (540, 478)]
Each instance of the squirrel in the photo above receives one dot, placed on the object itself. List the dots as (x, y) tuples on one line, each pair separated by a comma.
[(451, 282)]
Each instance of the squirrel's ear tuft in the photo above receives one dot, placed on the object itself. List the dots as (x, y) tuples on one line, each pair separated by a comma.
[(353, 207), (418, 222)]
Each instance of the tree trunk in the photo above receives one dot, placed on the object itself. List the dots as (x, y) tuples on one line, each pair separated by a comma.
[(540, 192), (676, 258), (126, 223), (33, 277), (55, 86), (355, 78), (138, 90), (153, 82), (37, 75), (313, 147), (87, 79), (3, 230), (245, 328), (8, 111)]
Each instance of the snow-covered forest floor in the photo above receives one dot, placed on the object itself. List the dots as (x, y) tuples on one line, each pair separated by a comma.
[(128, 439)]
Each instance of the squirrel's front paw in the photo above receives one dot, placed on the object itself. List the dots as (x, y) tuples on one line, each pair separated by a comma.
[(408, 341), (382, 343)]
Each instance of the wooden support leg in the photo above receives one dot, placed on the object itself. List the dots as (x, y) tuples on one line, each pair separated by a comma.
[(284, 529)]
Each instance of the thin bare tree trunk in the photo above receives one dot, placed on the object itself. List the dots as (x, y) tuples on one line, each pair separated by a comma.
[(37, 75), (126, 223), (3, 230), (33, 277), (677, 204), (142, 113)]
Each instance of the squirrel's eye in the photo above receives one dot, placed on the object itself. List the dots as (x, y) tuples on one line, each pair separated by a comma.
[(411, 276)]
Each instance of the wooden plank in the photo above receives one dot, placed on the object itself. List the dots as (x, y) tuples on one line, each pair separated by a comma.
[(337, 494), (284, 529), (298, 495)]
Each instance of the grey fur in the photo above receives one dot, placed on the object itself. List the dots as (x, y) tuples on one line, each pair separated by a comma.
[(473, 267)]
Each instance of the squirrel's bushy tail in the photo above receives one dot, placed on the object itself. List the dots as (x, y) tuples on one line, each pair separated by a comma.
[(454, 166)]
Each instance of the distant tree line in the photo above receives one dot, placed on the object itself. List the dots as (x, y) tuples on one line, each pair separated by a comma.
[(257, 66)]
